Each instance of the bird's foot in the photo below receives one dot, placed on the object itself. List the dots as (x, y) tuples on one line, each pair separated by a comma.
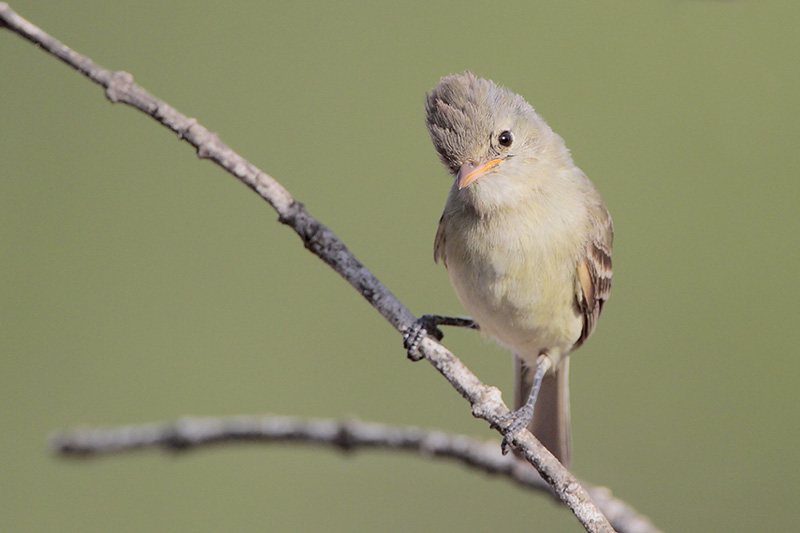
[(522, 417), (422, 327), (429, 325), (516, 420)]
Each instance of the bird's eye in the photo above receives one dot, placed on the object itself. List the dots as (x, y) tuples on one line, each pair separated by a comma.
[(505, 139)]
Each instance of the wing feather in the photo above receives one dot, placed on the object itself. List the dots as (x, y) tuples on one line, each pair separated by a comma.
[(595, 273), (438, 243)]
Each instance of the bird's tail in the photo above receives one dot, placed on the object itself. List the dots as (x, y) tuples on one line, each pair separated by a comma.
[(550, 422)]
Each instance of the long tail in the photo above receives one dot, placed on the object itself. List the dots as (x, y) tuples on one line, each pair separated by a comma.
[(550, 421)]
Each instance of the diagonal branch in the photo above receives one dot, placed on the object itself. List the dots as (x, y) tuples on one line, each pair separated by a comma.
[(345, 435), (486, 401)]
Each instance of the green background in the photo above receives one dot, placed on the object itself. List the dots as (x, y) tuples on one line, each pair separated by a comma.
[(140, 284)]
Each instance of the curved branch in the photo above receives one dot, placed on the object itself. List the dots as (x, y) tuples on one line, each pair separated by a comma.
[(486, 401), (345, 435)]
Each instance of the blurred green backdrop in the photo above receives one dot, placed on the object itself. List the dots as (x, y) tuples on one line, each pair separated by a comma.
[(140, 283)]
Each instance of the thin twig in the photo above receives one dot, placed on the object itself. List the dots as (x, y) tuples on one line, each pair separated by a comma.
[(345, 435), (486, 401)]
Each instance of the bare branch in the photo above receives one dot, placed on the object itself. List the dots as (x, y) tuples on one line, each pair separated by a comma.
[(486, 401), (346, 435)]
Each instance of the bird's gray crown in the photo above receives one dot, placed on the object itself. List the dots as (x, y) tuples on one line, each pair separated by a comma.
[(463, 112)]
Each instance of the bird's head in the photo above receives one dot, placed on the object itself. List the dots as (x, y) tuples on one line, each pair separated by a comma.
[(488, 137)]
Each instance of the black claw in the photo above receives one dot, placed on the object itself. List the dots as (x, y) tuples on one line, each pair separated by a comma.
[(504, 446)]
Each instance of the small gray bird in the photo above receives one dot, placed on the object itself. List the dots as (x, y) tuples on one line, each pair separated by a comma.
[(526, 240)]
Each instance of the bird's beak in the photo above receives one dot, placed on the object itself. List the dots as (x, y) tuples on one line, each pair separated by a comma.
[(468, 172)]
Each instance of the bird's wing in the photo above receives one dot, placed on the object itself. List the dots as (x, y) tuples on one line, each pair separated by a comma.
[(594, 272), (438, 243)]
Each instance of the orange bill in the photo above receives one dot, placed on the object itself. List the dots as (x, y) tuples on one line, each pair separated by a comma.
[(468, 173)]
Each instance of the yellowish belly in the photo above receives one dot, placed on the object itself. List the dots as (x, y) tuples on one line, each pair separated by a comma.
[(521, 293)]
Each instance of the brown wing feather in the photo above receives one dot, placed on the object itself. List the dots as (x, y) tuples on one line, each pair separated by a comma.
[(438, 243), (595, 273)]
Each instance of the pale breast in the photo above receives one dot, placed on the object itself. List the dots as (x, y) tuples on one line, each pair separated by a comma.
[(516, 279)]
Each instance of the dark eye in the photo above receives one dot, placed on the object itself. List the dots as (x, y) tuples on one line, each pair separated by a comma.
[(505, 139)]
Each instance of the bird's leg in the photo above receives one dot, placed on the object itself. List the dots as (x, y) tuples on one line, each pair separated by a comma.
[(522, 417), (428, 325)]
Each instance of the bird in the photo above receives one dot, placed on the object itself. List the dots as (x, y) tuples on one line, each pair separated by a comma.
[(526, 240)]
